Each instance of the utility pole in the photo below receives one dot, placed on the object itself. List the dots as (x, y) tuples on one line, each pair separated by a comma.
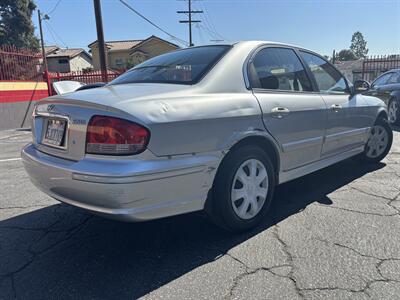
[(190, 21), (100, 40), (44, 59)]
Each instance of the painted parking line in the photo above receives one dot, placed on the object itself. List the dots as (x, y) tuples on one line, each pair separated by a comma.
[(10, 159), (13, 135)]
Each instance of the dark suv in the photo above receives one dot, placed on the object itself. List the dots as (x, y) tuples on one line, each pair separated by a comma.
[(387, 88)]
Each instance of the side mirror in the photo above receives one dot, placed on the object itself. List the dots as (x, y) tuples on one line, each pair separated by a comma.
[(361, 86)]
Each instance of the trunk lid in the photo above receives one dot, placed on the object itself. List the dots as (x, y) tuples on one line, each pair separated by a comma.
[(74, 110)]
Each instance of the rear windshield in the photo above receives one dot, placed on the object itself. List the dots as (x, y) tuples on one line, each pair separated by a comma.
[(186, 66)]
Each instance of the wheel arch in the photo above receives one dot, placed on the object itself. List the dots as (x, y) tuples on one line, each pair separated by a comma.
[(395, 94), (382, 114), (265, 144), (260, 138)]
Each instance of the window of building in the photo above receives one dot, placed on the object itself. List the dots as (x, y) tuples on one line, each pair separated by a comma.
[(119, 62)]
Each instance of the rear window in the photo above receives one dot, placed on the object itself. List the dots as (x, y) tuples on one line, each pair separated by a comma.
[(185, 66)]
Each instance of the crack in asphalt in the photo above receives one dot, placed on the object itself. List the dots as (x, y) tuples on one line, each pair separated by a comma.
[(34, 254), (249, 270), (14, 290), (390, 200), (291, 261), (369, 194), (300, 291), (358, 211), (368, 284), (245, 270)]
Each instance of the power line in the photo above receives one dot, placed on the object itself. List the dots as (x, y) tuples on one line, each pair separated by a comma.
[(202, 39), (53, 32), (210, 26), (54, 8), (152, 23), (190, 21), (217, 37), (207, 18), (207, 28)]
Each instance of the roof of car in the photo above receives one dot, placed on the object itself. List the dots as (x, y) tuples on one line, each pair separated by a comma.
[(390, 71), (259, 43)]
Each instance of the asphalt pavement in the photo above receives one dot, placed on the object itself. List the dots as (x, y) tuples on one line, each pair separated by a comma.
[(334, 234)]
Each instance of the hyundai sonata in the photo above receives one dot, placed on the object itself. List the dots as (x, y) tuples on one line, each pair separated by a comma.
[(211, 128)]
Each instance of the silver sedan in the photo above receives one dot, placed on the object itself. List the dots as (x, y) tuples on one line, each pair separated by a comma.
[(212, 128)]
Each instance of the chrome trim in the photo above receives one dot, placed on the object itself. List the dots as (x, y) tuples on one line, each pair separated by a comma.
[(47, 116), (310, 142), (349, 133), (315, 166)]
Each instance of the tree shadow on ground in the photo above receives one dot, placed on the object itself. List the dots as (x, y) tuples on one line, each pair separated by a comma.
[(61, 252)]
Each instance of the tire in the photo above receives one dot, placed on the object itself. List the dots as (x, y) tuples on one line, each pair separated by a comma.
[(386, 138), (394, 111), (231, 180)]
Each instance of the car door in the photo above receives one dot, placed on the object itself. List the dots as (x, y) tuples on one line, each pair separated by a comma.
[(347, 121), (292, 112), (379, 88), (391, 85)]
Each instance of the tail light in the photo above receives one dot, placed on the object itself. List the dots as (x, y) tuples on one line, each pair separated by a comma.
[(114, 136)]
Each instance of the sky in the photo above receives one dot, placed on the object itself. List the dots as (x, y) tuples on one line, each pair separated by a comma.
[(319, 25)]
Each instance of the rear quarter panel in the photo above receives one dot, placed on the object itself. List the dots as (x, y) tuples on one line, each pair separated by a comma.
[(201, 123)]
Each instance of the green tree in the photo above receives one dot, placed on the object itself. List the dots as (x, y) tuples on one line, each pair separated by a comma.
[(359, 45), (16, 27), (345, 55)]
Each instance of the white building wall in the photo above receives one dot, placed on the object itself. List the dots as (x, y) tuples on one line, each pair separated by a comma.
[(80, 62)]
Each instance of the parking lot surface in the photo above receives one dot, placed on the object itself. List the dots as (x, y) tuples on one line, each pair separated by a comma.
[(331, 235)]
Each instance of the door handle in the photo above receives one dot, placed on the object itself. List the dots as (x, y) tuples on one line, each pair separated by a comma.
[(336, 107), (280, 112)]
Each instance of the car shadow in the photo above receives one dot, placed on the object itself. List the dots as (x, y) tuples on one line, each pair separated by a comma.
[(59, 252)]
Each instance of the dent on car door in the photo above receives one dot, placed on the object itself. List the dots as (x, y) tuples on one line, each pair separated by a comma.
[(348, 119), (293, 114)]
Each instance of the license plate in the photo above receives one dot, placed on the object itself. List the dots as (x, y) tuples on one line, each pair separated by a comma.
[(55, 132)]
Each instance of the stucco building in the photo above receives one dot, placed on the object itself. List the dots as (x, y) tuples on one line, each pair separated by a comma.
[(128, 53), (67, 60)]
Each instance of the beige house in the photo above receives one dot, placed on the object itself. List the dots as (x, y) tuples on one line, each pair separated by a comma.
[(67, 60), (128, 53)]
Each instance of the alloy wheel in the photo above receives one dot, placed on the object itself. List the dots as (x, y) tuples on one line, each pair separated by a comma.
[(378, 141), (249, 189)]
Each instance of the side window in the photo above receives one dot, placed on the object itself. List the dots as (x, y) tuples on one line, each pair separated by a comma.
[(395, 78), (382, 80), (327, 77), (279, 69)]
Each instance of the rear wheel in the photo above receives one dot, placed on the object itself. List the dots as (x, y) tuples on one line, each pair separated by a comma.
[(243, 189), (379, 142), (393, 112)]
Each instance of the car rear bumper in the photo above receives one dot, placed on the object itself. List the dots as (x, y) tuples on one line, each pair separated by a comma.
[(125, 189)]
